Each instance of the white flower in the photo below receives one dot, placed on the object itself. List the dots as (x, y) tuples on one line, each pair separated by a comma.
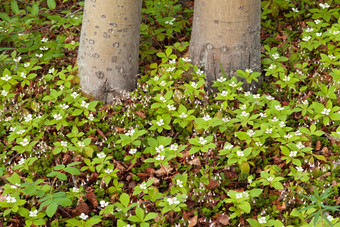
[(75, 189), (206, 118), (103, 203), (330, 218), (292, 153), (183, 115), (335, 32), (162, 99), (324, 6), (143, 186), (186, 59), (243, 107), (306, 38), (251, 133), (287, 78), (269, 130), (326, 111), (160, 122), (262, 220), (193, 84), (27, 64), (33, 213), (57, 117), (300, 145), (108, 171), (272, 66), (247, 93), (288, 136), (74, 94), (24, 142), (221, 79), (275, 119), (331, 57), (6, 77), (224, 93), (244, 114), (172, 201), (226, 119), (83, 216), (239, 195), (43, 48), (21, 161), (245, 194), (162, 83), (10, 199), (179, 183), (309, 29), (233, 84), (17, 59), (299, 168), (84, 104), (250, 181), (228, 146), (23, 75), (63, 143), (295, 10), (171, 107), (173, 61), (91, 117), (28, 117), (202, 141), (199, 72), (269, 97), (317, 21), (132, 151), (170, 69), (248, 71), (240, 153), (270, 179), (282, 124), (276, 56), (20, 132), (278, 107), (130, 132), (73, 42), (263, 114), (173, 147), (4, 93), (298, 133), (101, 155), (39, 55), (44, 40), (257, 96), (81, 144), (259, 144), (160, 148), (170, 21)]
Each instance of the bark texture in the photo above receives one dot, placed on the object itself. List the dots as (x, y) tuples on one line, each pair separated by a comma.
[(227, 33), (109, 48)]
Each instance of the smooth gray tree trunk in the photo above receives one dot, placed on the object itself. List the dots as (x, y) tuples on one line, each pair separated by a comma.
[(109, 48), (227, 33)]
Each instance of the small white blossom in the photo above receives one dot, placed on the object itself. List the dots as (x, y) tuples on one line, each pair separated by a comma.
[(245, 194), (83, 216), (224, 93), (39, 55), (162, 83), (221, 79), (300, 145), (262, 220), (179, 183), (10, 199), (130, 132), (240, 153), (183, 115), (186, 59), (63, 143), (239, 195), (269, 97), (335, 32), (243, 107), (103, 203), (257, 96), (228, 146), (23, 75), (132, 151), (143, 186), (317, 21), (91, 117), (74, 95), (4, 93), (101, 155), (21, 161), (162, 99), (272, 66), (44, 40), (57, 116), (251, 133), (276, 56), (160, 148), (269, 130), (108, 171), (248, 71), (259, 144), (171, 107), (84, 104), (278, 107), (293, 154), (287, 78), (295, 10), (299, 168), (17, 59), (6, 77), (199, 72), (160, 122), (202, 141), (324, 6), (326, 111), (33, 213), (75, 189), (307, 38), (43, 48), (298, 133), (226, 119), (282, 124), (247, 93), (24, 142), (193, 84), (330, 218), (81, 144), (270, 179), (233, 84), (170, 69), (20, 132), (244, 114), (263, 114), (173, 147), (309, 29), (172, 201), (27, 64), (173, 61), (288, 136), (28, 117), (206, 118), (156, 78)]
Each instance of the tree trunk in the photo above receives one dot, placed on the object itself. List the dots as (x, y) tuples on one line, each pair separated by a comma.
[(227, 33), (109, 48)]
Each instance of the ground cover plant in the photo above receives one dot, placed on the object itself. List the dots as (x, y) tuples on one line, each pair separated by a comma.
[(171, 154)]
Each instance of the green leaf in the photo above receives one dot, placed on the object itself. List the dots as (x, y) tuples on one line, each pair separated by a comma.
[(150, 216), (140, 213), (15, 7), (51, 4), (51, 209), (245, 206), (255, 192), (253, 222), (124, 199), (35, 9)]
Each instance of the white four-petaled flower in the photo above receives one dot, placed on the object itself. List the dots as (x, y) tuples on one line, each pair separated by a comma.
[(173, 201), (326, 111), (240, 153), (101, 155), (202, 141), (57, 116), (10, 199), (103, 203), (24, 142), (6, 77), (33, 213), (83, 216), (262, 220)]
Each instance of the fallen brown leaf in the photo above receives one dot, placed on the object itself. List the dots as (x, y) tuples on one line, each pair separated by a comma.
[(92, 199), (196, 161), (141, 114), (193, 221), (223, 219), (164, 170)]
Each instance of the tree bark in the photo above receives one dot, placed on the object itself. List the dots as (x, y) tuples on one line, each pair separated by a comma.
[(109, 48), (227, 33)]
